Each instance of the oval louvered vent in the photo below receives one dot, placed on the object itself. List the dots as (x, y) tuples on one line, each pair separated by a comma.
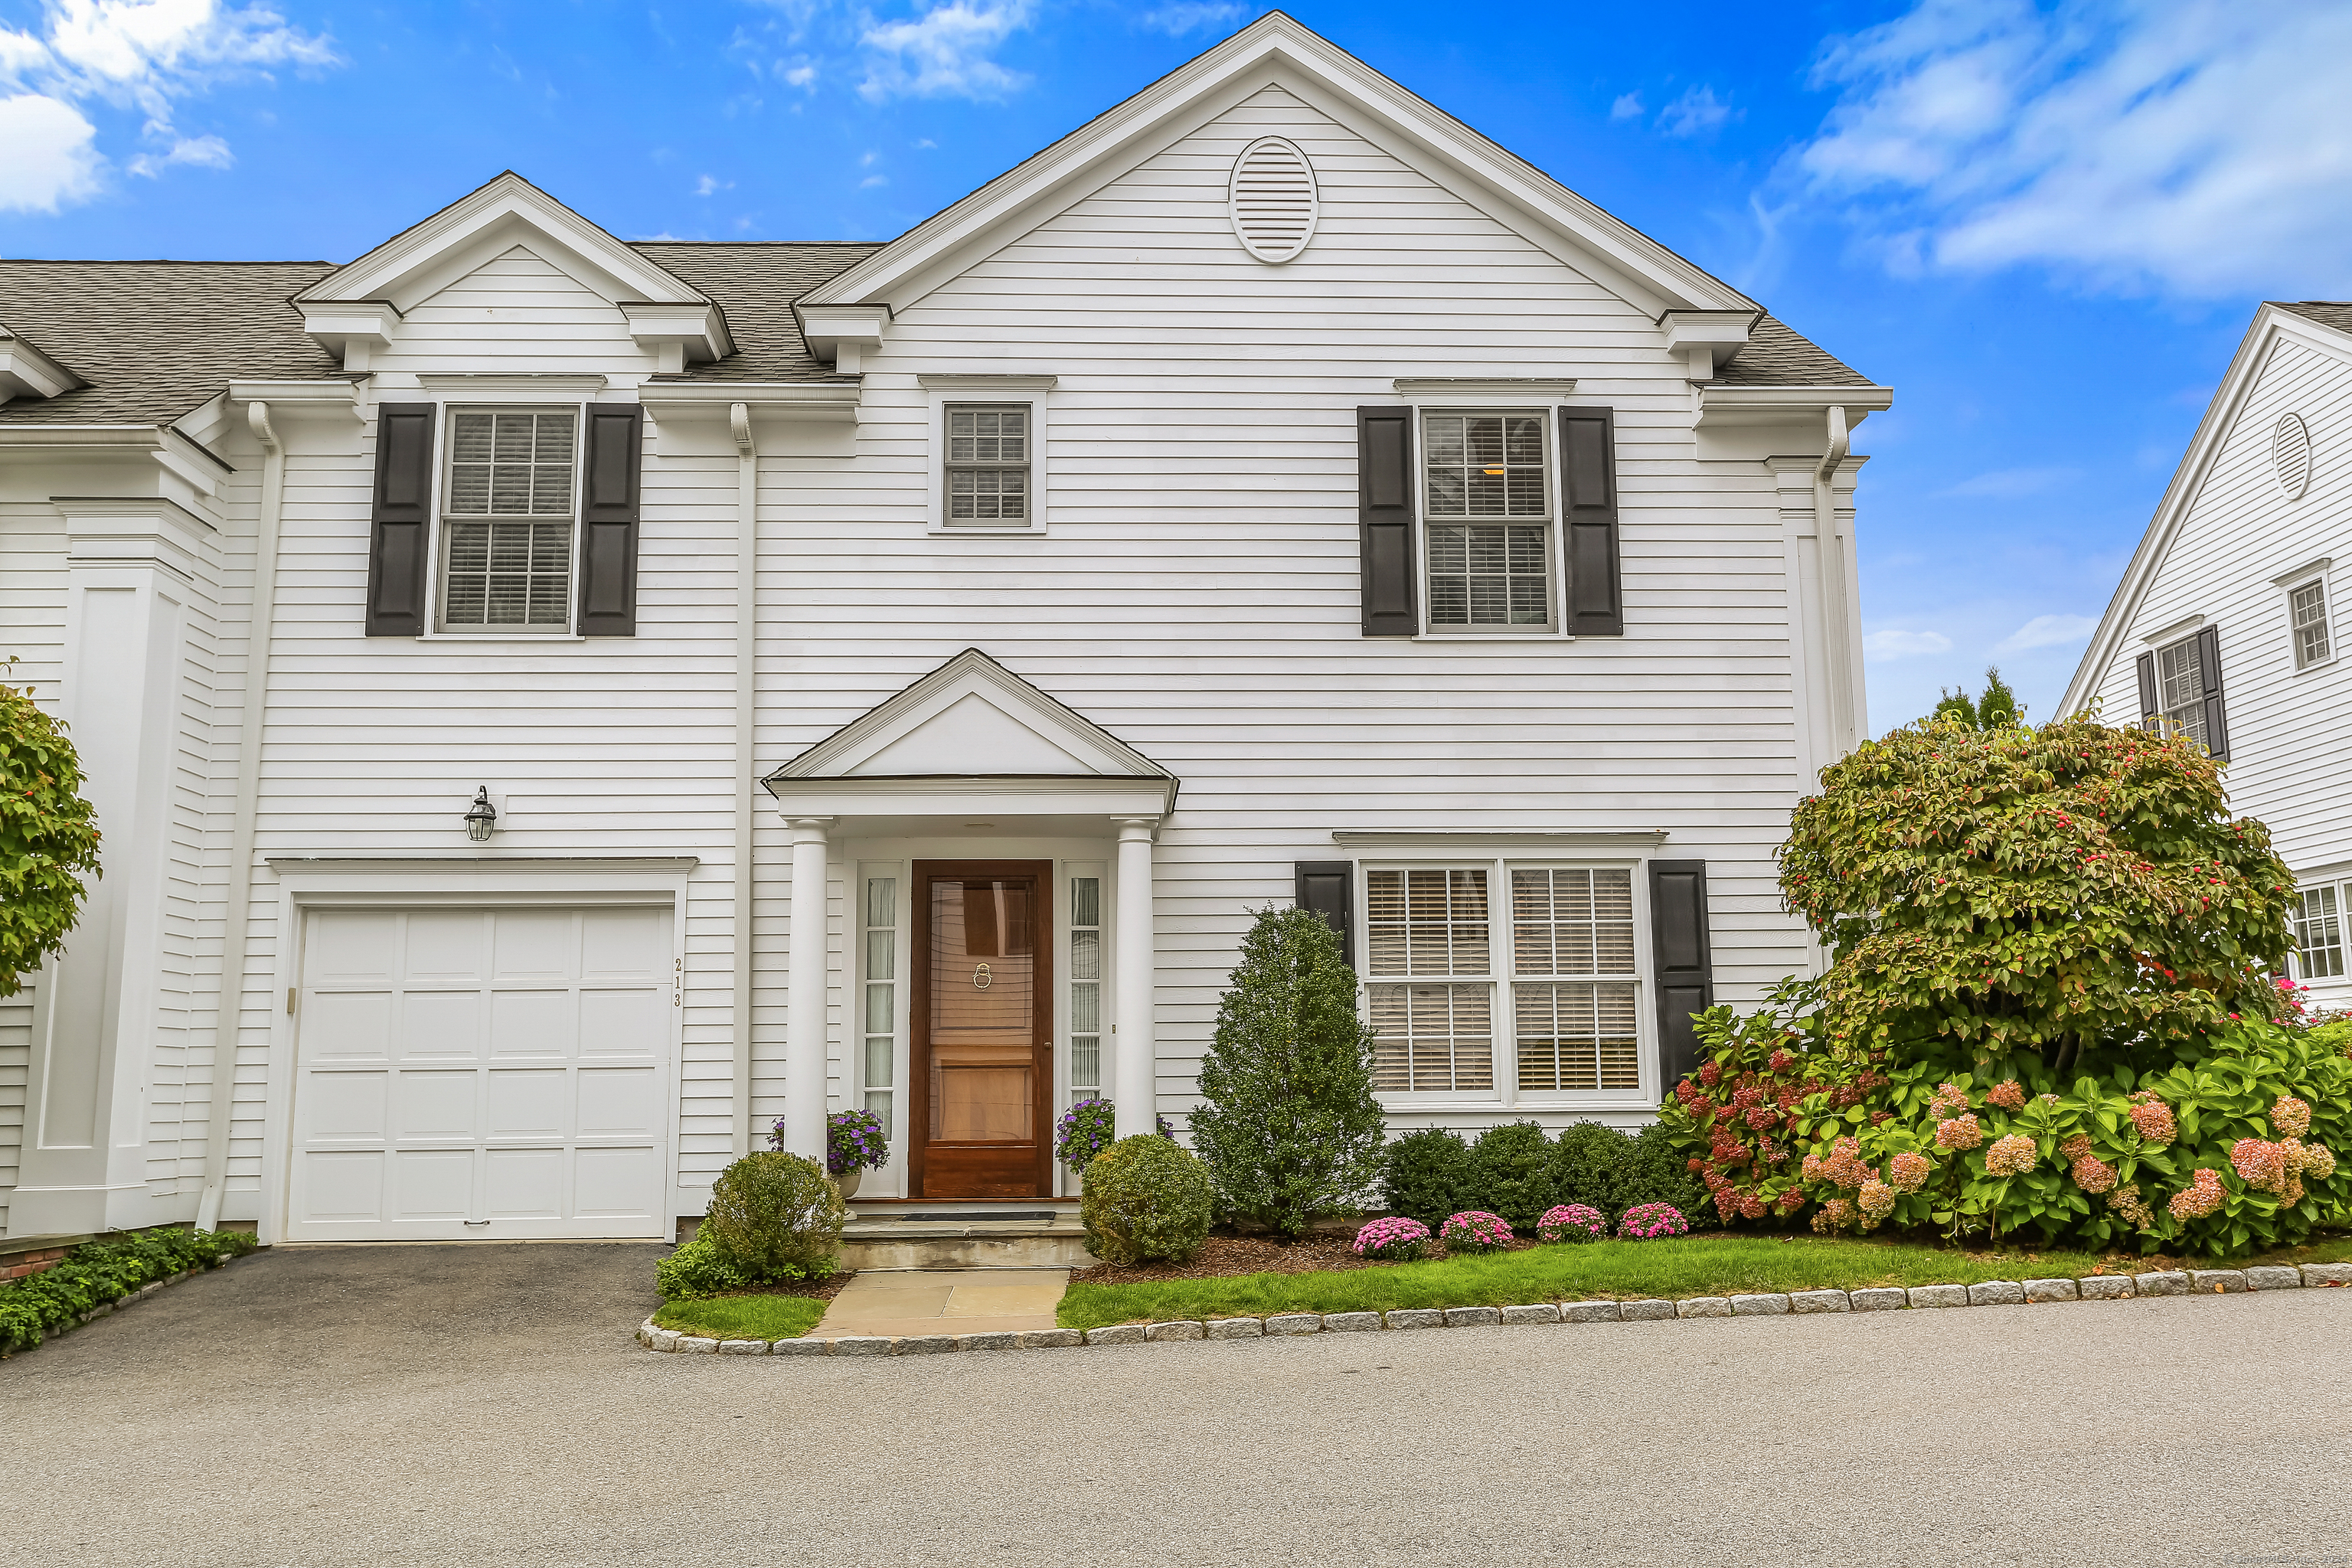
[(2291, 454), (1273, 199)]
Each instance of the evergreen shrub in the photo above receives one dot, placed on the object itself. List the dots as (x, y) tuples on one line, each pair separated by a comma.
[(696, 1270), (773, 1217), (1588, 1166), (1511, 1172), (1147, 1198), (1426, 1176), (1287, 1126)]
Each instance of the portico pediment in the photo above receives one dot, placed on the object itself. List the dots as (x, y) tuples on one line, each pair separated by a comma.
[(971, 727)]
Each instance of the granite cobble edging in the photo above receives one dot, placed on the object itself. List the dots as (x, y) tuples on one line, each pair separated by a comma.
[(1986, 1293)]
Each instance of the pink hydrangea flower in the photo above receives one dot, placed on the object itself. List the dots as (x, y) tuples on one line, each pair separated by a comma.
[(2010, 1096), (2074, 1146), (1958, 1132), (1572, 1222), (2260, 1165), (2199, 1198), (1949, 1101), (2012, 1156), (2291, 1116), (2093, 1175), (2318, 1162), (1909, 1172), (2153, 1119), (1833, 1216), (1877, 1199)]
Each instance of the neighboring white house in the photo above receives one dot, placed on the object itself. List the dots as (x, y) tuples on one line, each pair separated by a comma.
[(2225, 626), (898, 671)]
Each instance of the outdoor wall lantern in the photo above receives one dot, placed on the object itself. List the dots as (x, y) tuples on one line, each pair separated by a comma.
[(481, 816)]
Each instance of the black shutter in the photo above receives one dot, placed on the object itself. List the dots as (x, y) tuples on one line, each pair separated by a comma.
[(1685, 966), (1588, 465), (1328, 887), (2217, 721), (1385, 507), (608, 520), (2147, 664), (402, 510)]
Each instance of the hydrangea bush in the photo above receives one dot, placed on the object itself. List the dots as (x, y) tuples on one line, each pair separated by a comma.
[(1650, 1221), (1475, 1230), (1394, 1239), (1572, 1222)]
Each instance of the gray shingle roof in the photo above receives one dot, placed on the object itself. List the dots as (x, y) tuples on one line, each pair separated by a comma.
[(156, 340), (2333, 313), (755, 282), (1775, 357)]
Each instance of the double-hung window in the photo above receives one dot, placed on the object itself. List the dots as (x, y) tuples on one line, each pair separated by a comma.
[(508, 518), (2318, 933), (1503, 981), (1486, 515), (2306, 606), (2180, 690), (988, 465)]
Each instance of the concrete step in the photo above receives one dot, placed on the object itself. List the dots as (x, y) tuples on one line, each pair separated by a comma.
[(885, 1235)]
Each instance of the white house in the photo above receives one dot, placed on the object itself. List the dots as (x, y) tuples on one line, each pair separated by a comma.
[(898, 672), (2224, 626)]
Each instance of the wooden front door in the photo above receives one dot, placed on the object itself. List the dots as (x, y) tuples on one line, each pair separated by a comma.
[(979, 1122)]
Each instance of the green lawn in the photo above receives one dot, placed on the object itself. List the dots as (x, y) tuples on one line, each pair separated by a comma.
[(742, 1317), (1629, 1270)]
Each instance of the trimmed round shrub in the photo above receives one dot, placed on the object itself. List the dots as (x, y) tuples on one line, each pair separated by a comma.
[(1393, 1240), (1657, 1170), (1648, 1222), (773, 1217), (1572, 1222), (1475, 1230), (1588, 1167), (1511, 1172), (1426, 1174), (696, 1270), (1148, 1199)]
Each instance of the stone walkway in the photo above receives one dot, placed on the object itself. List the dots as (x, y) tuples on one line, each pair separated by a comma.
[(944, 1301)]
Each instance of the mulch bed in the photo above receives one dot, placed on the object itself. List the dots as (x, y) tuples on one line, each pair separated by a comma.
[(825, 1292), (1223, 1254)]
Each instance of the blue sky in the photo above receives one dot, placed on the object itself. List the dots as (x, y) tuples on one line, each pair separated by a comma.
[(2045, 226)]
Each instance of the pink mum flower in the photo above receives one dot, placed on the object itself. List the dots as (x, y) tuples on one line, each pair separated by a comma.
[(2291, 1116), (1394, 1237), (2012, 1156), (1475, 1230), (1909, 1172), (1959, 1132), (2010, 1096), (2093, 1175), (1572, 1222)]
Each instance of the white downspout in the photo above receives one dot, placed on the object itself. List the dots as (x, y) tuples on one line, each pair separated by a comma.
[(747, 780), (228, 1014), (1836, 604)]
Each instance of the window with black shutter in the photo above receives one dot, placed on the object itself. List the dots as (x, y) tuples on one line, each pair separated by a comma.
[(400, 519), (1328, 887), (1684, 960), (1384, 515)]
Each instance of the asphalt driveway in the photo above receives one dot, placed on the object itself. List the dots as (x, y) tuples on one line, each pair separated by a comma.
[(485, 1405)]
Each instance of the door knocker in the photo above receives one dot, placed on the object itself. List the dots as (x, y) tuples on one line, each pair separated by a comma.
[(980, 977)]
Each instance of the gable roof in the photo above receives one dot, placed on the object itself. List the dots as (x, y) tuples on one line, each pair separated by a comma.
[(755, 283), (2321, 323)]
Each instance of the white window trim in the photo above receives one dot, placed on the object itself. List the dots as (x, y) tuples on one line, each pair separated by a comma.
[(503, 400), (893, 1172), (2162, 713), (1037, 392), (1506, 1094), (2343, 931), (2288, 586), (1547, 405)]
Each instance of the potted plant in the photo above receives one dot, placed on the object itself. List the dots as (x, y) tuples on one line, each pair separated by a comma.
[(1086, 1130), (853, 1143)]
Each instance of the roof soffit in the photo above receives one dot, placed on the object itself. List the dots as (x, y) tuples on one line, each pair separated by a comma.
[(428, 257), (970, 717), (1277, 51), (2272, 325)]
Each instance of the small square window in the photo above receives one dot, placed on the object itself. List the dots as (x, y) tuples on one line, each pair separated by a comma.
[(988, 465), (2307, 614)]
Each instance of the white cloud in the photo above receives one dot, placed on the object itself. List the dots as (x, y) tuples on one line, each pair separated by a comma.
[(2048, 631), (1188, 15), (1627, 106), (1895, 643), (2198, 147), (51, 161), (800, 72), (944, 52), (2012, 484), (1695, 113), (139, 54), (712, 183), (872, 181)]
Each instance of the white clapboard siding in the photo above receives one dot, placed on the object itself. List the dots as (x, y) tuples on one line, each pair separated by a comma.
[(2290, 731)]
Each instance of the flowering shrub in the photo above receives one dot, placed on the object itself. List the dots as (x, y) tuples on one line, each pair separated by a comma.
[(2291, 1116), (2202, 1198), (2008, 1096), (853, 1140), (2012, 1156), (1475, 1230), (1085, 1131), (1393, 1240), (1572, 1222), (1650, 1221), (1959, 1132)]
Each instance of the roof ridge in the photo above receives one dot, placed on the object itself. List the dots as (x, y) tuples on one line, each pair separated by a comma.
[(142, 261)]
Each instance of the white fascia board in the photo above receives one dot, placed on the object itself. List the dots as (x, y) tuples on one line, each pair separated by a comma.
[(698, 325), (299, 396), (189, 460), (1273, 50), (332, 326), (964, 795), (27, 371), (1723, 406), (801, 400), (1626, 839), (508, 211), (1711, 329), (826, 328), (2270, 326)]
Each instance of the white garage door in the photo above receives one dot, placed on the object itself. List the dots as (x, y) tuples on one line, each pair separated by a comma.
[(481, 1072)]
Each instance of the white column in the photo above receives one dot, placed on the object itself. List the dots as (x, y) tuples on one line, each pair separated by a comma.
[(130, 564), (1134, 1083), (805, 1001)]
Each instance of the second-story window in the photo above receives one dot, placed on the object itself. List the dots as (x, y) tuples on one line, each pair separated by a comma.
[(2307, 613), (2180, 690), (1488, 508), (507, 520), (988, 465)]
